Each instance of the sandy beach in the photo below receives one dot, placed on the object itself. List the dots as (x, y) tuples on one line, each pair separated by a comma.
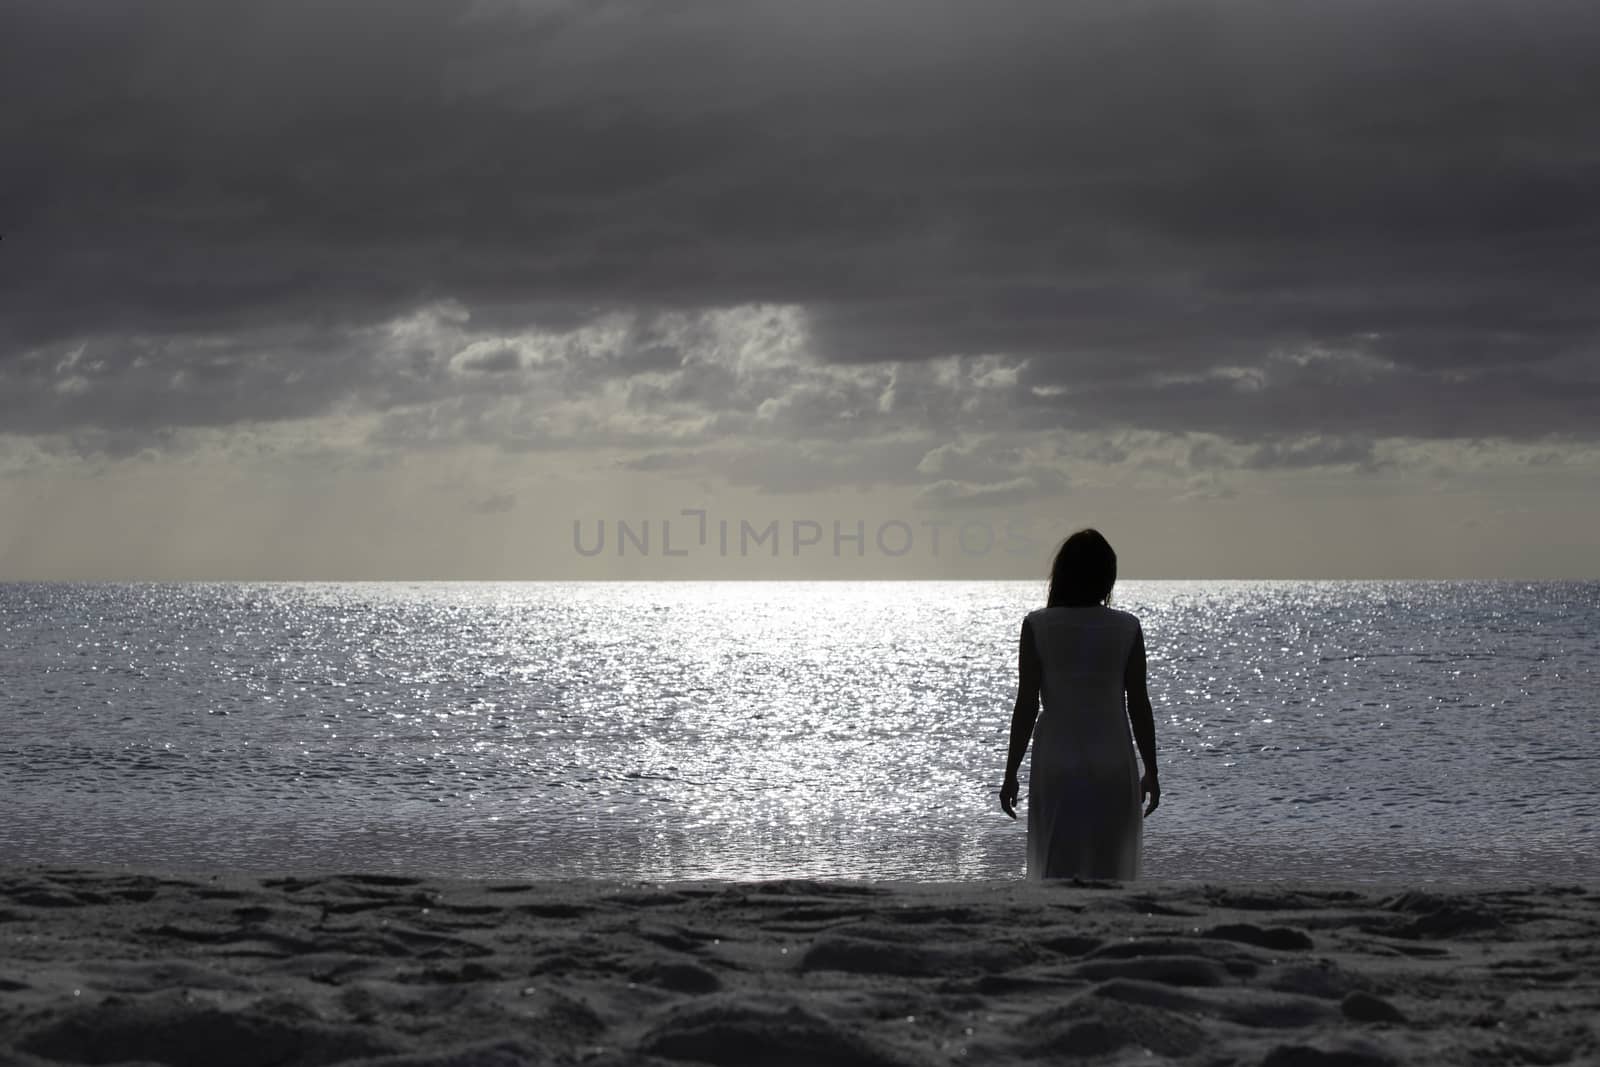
[(110, 967)]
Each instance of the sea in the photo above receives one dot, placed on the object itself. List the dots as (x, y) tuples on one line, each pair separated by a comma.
[(1377, 732)]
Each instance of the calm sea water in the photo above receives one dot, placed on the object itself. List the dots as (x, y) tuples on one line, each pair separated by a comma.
[(1359, 731)]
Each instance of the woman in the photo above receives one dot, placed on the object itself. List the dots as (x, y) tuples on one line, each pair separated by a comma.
[(1084, 788)]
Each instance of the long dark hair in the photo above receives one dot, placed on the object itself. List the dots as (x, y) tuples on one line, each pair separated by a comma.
[(1084, 571)]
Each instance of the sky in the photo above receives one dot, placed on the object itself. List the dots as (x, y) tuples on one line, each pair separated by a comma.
[(758, 289)]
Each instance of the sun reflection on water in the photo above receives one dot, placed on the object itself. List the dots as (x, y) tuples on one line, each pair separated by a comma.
[(764, 729)]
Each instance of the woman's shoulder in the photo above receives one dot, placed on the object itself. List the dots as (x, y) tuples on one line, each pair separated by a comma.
[(1126, 619), (1097, 612)]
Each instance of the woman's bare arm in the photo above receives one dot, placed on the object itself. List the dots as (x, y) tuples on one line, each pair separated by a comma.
[(1024, 713), (1142, 716)]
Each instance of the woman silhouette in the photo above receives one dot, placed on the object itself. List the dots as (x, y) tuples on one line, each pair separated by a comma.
[(1084, 788)]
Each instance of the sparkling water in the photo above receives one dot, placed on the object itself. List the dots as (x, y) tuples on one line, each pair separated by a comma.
[(1350, 731)]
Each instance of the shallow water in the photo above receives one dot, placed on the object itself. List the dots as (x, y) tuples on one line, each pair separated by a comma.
[(1358, 731)]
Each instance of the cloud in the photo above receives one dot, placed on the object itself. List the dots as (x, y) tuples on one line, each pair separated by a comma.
[(1288, 453), (495, 504), (582, 225), (1014, 492), (1343, 394), (1314, 452), (491, 360), (1206, 487), (660, 461)]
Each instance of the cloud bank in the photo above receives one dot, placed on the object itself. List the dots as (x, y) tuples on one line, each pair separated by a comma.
[(1295, 228)]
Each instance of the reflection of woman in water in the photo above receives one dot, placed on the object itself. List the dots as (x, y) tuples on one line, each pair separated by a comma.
[(1084, 788)]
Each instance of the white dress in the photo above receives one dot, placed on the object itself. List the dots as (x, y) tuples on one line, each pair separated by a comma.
[(1084, 806)]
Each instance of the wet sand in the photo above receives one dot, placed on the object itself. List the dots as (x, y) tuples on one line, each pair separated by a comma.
[(108, 967)]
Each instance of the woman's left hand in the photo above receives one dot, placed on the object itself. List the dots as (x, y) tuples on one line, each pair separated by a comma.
[(1150, 789)]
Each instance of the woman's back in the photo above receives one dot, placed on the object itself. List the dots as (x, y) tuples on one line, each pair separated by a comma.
[(1083, 797), (1083, 657)]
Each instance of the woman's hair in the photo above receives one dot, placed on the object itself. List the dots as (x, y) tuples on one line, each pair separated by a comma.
[(1084, 571)]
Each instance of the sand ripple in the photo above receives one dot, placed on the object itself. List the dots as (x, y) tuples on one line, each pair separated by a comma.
[(101, 967)]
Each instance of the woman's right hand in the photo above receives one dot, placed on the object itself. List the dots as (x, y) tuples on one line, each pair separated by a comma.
[(1008, 796), (1150, 789)]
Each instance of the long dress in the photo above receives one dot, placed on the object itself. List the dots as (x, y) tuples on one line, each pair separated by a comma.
[(1084, 805)]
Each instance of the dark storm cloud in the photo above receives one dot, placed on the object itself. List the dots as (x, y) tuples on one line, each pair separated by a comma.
[(213, 200)]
